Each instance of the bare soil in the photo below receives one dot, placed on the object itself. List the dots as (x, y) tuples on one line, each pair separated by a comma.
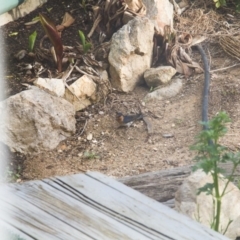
[(117, 151)]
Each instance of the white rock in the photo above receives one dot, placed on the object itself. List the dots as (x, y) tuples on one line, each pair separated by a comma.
[(160, 13), (130, 53), (51, 85), (158, 76), (89, 137), (127, 16), (37, 121), (85, 89), (200, 207), (166, 92)]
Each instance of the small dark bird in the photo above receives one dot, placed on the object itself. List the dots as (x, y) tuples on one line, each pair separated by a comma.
[(127, 120)]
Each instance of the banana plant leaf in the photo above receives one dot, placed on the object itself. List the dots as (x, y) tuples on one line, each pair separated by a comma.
[(51, 31)]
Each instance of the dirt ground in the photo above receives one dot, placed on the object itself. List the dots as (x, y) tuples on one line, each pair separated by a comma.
[(117, 151)]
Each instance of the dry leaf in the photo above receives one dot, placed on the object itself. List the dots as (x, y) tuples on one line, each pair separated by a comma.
[(136, 7), (67, 21)]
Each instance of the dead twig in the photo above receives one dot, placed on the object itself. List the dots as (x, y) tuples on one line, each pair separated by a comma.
[(85, 125), (222, 69), (83, 72)]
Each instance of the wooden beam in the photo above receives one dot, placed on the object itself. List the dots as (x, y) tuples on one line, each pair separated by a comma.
[(162, 185)]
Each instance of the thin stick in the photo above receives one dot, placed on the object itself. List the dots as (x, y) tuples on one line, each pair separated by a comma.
[(83, 128), (83, 72), (64, 78), (222, 69), (67, 73)]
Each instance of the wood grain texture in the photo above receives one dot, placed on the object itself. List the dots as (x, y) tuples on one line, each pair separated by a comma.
[(92, 206), (162, 185)]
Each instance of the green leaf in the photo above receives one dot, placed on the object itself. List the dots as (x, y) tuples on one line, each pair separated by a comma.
[(54, 37), (82, 37), (36, 19), (13, 34), (207, 188), (87, 47), (49, 9), (31, 40)]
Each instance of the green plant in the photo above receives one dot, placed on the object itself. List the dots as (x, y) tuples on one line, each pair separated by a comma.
[(223, 3), (83, 5), (31, 41), (54, 37), (220, 3), (86, 45), (13, 175), (210, 154), (90, 155)]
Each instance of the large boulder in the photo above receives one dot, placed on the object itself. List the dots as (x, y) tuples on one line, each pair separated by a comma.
[(160, 13), (131, 53), (35, 121), (200, 207)]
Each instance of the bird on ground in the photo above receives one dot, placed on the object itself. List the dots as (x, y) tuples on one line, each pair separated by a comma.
[(127, 120)]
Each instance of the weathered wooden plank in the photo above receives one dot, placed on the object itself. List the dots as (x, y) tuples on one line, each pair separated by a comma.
[(54, 202), (93, 206), (89, 195), (162, 185), (139, 208), (7, 230), (33, 221)]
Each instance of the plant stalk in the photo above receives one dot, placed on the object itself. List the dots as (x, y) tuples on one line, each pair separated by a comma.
[(218, 198)]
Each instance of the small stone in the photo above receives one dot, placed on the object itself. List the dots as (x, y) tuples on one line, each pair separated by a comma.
[(142, 170), (155, 77), (63, 147), (19, 180), (173, 125), (89, 137), (168, 135), (103, 168), (28, 72), (21, 54), (101, 112)]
